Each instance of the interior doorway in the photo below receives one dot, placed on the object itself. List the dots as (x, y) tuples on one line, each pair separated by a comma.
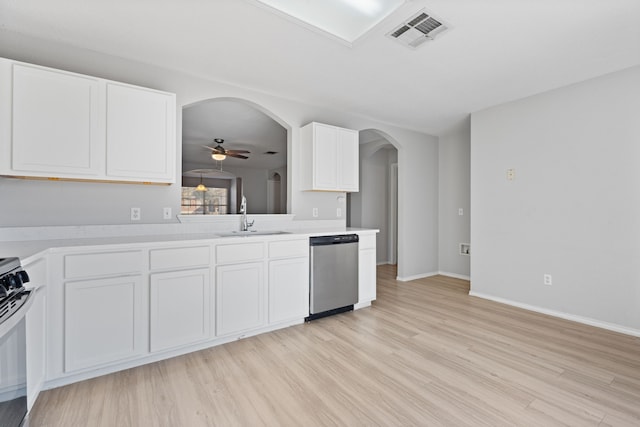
[(376, 204)]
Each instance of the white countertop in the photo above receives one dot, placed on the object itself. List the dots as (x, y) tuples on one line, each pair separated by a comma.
[(30, 250)]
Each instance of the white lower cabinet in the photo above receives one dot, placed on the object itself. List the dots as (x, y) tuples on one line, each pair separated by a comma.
[(117, 306), (367, 269), (179, 309), (240, 297), (288, 289), (104, 321), (288, 280)]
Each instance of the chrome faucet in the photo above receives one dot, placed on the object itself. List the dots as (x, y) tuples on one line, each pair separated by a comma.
[(243, 210)]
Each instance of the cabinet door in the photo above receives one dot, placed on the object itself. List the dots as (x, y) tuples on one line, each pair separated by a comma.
[(348, 160), (104, 321), (180, 308), (240, 297), (36, 323), (141, 140), (55, 123), (288, 289), (325, 154), (367, 275)]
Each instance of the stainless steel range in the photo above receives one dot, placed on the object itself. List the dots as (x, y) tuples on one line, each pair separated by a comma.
[(14, 302)]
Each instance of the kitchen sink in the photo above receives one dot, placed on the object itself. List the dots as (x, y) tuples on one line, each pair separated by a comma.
[(252, 233)]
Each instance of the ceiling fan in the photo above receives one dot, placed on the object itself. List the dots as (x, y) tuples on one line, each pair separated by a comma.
[(219, 153)]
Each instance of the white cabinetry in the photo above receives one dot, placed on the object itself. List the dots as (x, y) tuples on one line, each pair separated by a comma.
[(140, 134), (116, 306), (180, 307), (64, 125), (240, 287), (36, 330), (366, 270), (180, 301), (329, 158), (55, 123), (288, 280), (104, 321), (104, 309)]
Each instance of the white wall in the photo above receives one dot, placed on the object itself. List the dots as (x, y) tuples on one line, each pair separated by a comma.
[(573, 209), (33, 203), (454, 193)]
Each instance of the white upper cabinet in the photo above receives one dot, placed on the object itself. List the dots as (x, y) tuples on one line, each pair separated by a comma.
[(329, 158), (58, 124), (140, 133), (55, 123)]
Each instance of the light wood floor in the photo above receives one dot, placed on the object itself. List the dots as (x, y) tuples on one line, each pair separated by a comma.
[(425, 353)]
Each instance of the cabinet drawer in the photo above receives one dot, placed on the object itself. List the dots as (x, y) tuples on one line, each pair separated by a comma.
[(227, 254), (367, 241), (172, 258), (102, 264), (289, 248)]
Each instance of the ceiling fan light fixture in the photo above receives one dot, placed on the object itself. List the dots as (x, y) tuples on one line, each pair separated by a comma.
[(218, 156)]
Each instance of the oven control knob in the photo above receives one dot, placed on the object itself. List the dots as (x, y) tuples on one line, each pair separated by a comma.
[(24, 277), (11, 282), (3, 291)]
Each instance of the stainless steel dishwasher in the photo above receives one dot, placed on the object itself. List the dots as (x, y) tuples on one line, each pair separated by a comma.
[(333, 267)]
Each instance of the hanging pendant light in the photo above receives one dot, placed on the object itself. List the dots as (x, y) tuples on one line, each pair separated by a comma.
[(201, 186)]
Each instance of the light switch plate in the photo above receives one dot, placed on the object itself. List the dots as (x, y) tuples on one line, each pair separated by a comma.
[(166, 213)]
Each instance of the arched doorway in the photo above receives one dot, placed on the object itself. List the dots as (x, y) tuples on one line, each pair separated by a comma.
[(376, 204)]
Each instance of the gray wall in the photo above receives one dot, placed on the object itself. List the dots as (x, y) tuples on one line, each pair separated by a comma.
[(36, 203), (454, 193), (572, 210), (369, 208)]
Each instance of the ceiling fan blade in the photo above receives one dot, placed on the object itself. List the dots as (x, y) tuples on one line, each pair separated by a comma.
[(237, 156), (239, 151)]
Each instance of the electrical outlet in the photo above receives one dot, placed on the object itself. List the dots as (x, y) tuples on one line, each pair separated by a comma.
[(548, 279), (315, 212), (136, 214), (460, 211), (339, 212), (511, 174), (166, 213), (465, 249)]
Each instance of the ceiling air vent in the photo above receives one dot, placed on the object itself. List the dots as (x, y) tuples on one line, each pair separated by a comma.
[(418, 29)]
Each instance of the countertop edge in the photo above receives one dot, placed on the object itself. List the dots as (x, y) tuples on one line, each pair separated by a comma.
[(33, 250)]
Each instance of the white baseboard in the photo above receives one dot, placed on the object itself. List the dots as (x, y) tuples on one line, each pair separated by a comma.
[(436, 273), (580, 319), (417, 276), (454, 275)]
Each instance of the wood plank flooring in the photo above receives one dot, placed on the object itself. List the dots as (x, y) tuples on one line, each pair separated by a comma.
[(424, 354)]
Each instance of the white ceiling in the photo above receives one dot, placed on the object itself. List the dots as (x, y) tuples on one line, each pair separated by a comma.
[(496, 51), (242, 127)]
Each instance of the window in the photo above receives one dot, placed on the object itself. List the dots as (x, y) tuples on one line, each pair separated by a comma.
[(212, 201)]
